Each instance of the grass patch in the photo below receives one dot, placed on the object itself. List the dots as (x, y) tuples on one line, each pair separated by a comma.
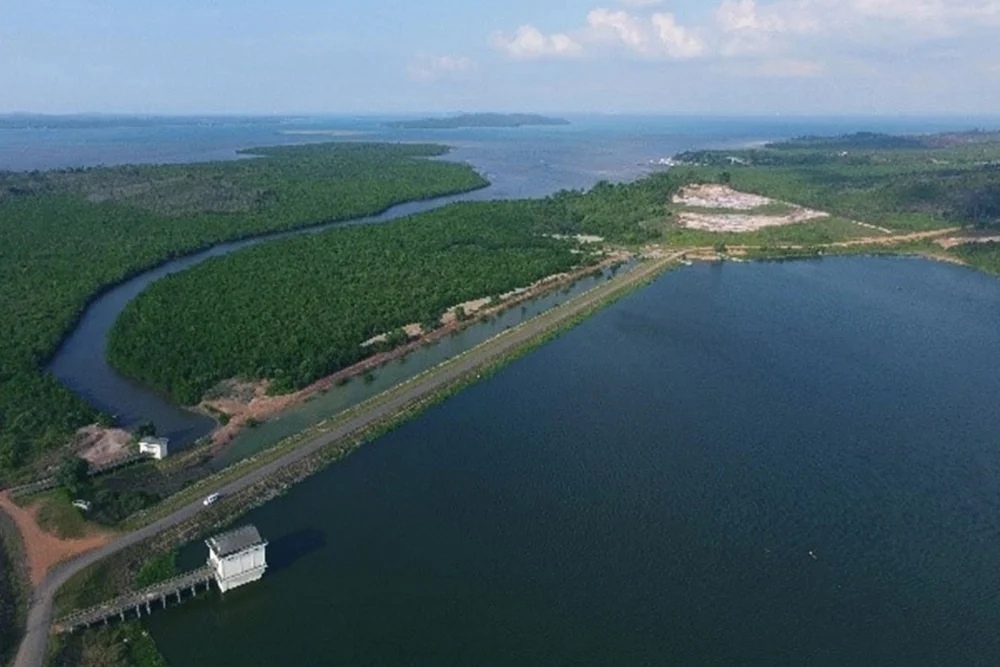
[(123, 645), (56, 515), (158, 568)]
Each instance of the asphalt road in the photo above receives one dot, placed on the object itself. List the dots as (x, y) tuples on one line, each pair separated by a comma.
[(32, 650)]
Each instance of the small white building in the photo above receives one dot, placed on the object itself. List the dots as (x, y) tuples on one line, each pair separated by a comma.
[(237, 557), (156, 447)]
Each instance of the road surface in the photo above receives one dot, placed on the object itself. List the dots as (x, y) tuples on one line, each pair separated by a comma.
[(32, 650)]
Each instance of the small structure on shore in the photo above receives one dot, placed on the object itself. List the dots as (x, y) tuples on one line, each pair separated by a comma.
[(237, 557), (155, 447), (234, 558)]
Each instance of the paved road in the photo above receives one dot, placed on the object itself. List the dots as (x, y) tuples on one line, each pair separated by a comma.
[(32, 650)]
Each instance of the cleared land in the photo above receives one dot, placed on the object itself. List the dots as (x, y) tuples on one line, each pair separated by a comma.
[(733, 211)]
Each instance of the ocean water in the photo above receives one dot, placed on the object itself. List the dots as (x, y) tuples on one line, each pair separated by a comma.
[(759, 464), (519, 162), (754, 464)]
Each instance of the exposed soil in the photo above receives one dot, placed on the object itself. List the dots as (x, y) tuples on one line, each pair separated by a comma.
[(747, 218), (100, 445), (42, 550), (953, 241), (720, 196)]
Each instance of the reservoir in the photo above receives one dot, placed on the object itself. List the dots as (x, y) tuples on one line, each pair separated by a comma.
[(764, 464)]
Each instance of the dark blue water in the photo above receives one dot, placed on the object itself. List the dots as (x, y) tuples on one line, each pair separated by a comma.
[(522, 162), (753, 464)]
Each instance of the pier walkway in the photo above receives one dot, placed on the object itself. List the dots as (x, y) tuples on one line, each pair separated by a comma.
[(133, 603)]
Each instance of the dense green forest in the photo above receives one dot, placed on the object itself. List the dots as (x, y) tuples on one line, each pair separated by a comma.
[(299, 309), (65, 235), (906, 183), (9, 621)]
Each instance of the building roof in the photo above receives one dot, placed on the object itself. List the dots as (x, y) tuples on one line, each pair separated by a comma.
[(235, 541), (154, 441)]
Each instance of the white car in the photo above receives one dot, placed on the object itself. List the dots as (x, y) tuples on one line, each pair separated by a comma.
[(210, 499)]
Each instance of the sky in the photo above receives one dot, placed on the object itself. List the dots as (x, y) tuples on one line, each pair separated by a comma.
[(721, 57)]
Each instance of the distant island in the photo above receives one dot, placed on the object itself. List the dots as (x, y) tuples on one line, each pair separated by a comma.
[(478, 120)]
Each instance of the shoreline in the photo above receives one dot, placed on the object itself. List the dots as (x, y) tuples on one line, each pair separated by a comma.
[(318, 447), (299, 458), (263, 407)]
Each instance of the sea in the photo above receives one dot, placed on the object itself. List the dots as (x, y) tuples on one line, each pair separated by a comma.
[(772, 463)]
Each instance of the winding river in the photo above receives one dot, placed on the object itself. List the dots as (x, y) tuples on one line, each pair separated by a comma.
[(534, 163), (81, 364), (528, 162)]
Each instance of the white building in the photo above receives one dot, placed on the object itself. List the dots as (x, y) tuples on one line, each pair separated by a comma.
[(157, 447), (237, 557)]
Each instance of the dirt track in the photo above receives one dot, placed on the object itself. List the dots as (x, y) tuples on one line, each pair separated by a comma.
[(33, 646), (42, 550)]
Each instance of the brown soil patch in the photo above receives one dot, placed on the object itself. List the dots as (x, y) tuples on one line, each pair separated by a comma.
[(42, 550), (953, 241), (745, 219), (719, 196), (99, 445)]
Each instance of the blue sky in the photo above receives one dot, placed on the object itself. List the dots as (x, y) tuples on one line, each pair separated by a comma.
[(355, 56)]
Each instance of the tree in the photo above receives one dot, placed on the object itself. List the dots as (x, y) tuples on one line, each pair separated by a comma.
[(145, 429), (73, 475)]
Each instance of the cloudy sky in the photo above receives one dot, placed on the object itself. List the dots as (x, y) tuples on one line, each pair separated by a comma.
[(655, 56)]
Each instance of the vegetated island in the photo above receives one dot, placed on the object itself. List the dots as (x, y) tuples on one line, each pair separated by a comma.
[(478, 120), (937, 195)]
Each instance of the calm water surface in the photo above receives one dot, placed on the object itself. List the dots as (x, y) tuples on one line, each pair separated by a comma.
[(519, 162), (754, 464)]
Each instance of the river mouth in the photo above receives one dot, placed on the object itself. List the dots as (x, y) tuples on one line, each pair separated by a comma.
[(754, 464)]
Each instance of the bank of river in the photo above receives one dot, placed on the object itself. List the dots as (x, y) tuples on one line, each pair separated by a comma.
[(339, 398), (754, 464)]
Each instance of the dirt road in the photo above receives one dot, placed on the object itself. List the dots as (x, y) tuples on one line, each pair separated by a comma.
[(32, 649)]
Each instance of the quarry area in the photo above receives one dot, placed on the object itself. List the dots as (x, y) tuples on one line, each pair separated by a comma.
[(719, 208)]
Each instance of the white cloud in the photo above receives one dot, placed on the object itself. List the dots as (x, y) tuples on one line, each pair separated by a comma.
[(777, 38), (429, 68), (746, 28), (619, 26), (530, 43), (679, 42)]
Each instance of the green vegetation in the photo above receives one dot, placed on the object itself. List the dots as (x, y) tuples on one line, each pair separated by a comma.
[(983, 256), (904, 183), (158, 568), (13, 589), (65, 235), (478, 120), (299, 309), (124, 645), (72, 475), (56, 515)]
